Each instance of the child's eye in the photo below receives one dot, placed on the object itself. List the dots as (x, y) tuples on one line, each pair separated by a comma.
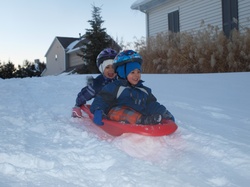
[(109, 66)]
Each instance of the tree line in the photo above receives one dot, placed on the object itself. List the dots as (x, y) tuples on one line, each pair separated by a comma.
[(29, 69)]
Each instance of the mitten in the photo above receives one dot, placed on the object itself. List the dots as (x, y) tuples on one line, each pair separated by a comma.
[(98, 118)]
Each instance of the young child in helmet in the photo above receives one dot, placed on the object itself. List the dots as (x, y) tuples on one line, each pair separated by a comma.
[(104, 62), (127, 99)]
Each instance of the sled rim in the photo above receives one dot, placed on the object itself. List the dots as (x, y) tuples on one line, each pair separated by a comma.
[(115, 128)]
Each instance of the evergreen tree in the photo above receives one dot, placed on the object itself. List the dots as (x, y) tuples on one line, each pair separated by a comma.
[(30, 69), (39, 67), (97, 39), (7, 70)]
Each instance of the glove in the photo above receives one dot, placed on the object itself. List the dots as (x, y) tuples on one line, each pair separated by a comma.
[(76, 112), (98, 118), (168, 115)]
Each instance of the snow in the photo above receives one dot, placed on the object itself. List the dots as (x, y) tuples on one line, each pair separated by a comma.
[(41, 145)]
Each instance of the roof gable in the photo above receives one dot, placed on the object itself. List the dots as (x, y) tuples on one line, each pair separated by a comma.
[(65, 41), (76, 45)]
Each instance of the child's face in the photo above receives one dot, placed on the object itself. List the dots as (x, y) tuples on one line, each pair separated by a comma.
[(134, 77), (109, 72)]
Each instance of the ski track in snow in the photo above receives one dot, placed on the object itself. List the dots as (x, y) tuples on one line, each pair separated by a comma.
[(40, 145)]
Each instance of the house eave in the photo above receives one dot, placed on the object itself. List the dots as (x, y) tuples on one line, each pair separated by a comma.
[(50, 47), (145, 5)]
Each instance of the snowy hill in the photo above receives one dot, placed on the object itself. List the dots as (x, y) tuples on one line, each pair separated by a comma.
[(41, 145)]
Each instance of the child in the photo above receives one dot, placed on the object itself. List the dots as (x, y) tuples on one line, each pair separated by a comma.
[(104, 63), (127, 99)]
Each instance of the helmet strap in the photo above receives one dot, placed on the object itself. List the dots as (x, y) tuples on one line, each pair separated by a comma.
[(125, 70)]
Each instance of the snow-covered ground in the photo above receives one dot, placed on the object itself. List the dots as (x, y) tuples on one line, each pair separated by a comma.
[(41, 145)]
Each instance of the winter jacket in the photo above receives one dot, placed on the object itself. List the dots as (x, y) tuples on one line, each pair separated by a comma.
[(122, 93), (94, 85)]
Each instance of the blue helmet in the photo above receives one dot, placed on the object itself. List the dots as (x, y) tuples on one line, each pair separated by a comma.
[(105, 54), (126, 61), (126, 57)]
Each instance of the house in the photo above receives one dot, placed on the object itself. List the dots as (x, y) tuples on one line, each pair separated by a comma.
[(193, 15), (62, 55)]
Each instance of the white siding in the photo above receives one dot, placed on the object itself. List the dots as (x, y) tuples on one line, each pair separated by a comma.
[(244, 14), (74, 59), (158, 21), (192, 13), (55, 66)]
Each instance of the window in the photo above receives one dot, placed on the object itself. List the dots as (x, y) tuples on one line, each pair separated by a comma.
[(229, 16), (173, 21)]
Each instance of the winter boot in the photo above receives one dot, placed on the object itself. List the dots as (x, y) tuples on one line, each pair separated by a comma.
[(167, 115), (76, 112)]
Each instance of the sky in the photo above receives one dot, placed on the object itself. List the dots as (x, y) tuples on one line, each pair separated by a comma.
[(41, 145), (29, 27)]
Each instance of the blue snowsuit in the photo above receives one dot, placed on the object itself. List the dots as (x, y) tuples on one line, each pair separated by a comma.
[(94, 85), (122, 93)]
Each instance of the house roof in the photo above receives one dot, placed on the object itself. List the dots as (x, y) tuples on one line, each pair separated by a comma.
[(71, 44), (65, 41), (144, 5), (77, 44)]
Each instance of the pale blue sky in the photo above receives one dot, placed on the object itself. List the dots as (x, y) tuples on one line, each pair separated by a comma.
[(28, 27)]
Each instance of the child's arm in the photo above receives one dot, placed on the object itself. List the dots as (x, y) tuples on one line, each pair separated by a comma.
[(86, 94), (155, 107), (105, 99)]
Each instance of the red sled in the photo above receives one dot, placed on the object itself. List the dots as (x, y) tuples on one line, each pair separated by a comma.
[(115, 128)]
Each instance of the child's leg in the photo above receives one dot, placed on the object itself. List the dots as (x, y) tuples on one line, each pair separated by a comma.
[(128, 115), (125, 114)]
